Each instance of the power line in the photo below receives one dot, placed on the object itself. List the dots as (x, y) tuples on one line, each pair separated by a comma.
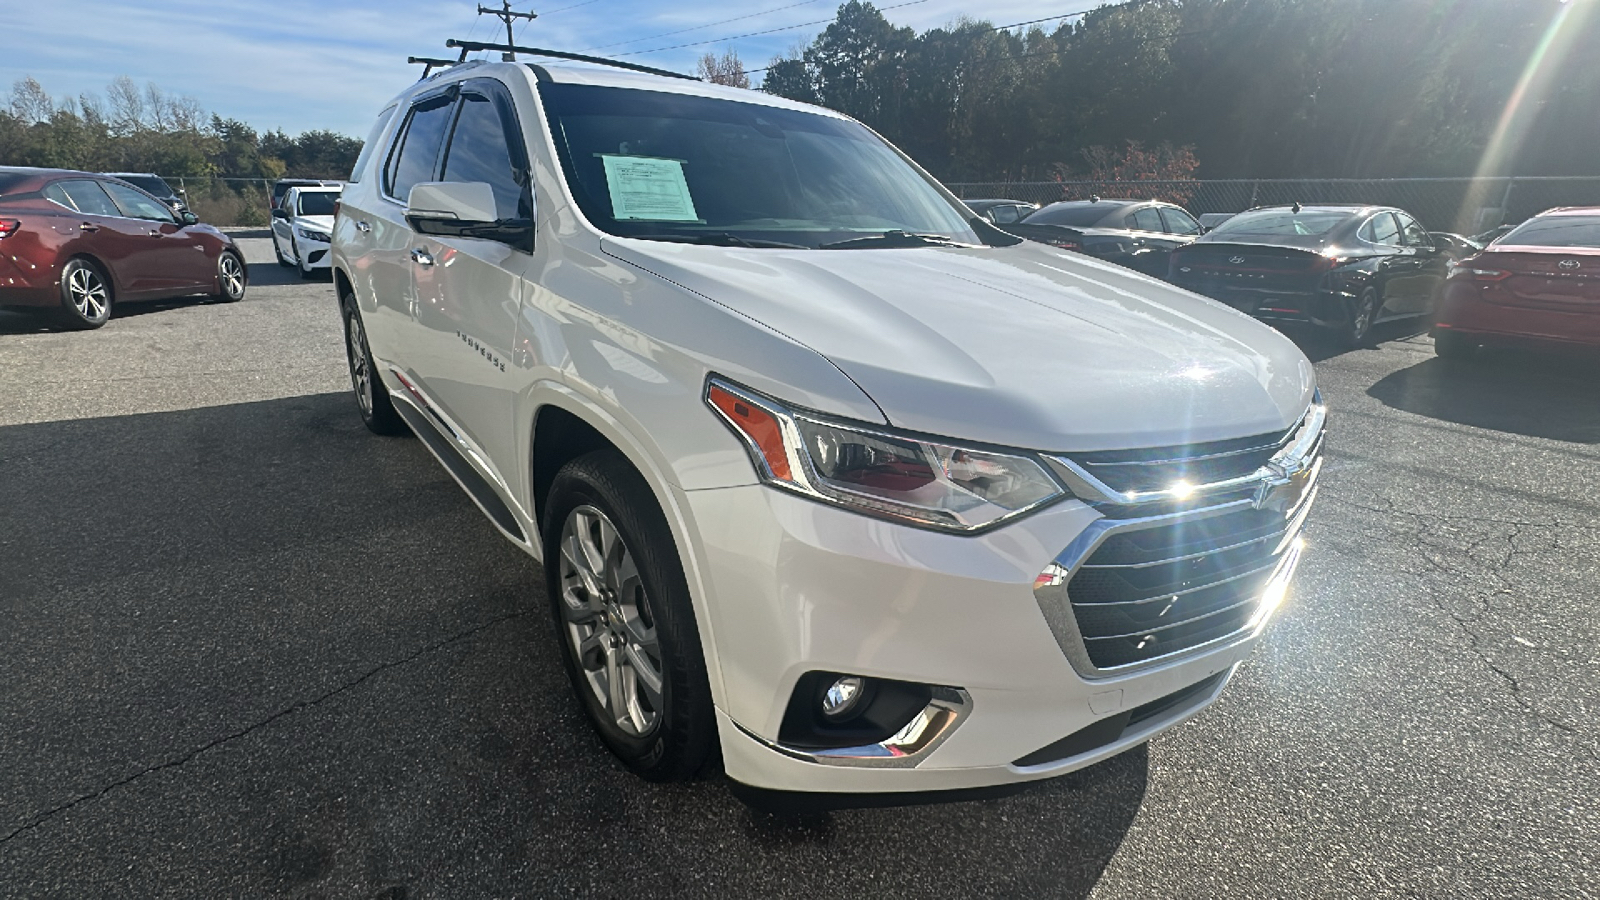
[(698, 27), (754, 33), (573, 6)]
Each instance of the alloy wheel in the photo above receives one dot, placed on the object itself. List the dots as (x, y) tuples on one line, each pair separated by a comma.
[(231, 274), (360, 367), (1366, 311), (88, 293), (608, 620)]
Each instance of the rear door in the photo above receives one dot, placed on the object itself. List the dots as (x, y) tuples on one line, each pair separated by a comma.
[(412, 159), (469, 290), (120, 243), (1393, 265), (1427, 269), (176, 259)]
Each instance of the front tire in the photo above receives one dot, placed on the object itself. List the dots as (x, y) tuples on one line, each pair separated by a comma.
[(624, 618), (232, 277), (372, 398), (277, 250), (85, 296)]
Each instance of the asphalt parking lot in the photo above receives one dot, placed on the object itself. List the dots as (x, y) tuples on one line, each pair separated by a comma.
[(247, 648)]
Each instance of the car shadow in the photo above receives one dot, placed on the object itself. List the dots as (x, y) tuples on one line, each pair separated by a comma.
[(1546, 395), (1320, 344), (258, 650), (271, 274)]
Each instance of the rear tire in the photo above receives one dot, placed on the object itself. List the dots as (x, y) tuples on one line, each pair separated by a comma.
[(1363, 313), (1453, 345), (372, 398), (86, 296), (624, 618)]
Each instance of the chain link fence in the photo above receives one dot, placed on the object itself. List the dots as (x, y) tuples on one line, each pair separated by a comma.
[(1462, 205)]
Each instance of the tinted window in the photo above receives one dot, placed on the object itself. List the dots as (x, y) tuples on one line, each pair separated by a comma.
[(1281, 223), (135, 205), (1179, 222), (1414, 234), (371, 144), (479, 151), (318, 203), (1147, 219), (151, 183), (1073, 215), (1555, 231), (1381, 229), (87, 198), (679, 167), (417, 159), (1005, 215)]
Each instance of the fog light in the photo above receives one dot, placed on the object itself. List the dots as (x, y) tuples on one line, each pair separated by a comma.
[(843, 697)]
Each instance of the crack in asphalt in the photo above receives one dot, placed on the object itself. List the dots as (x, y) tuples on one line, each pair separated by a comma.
[(178, 761), (1494, 569)]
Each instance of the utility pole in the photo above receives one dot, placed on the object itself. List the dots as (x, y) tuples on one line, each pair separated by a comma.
[(506, 15)]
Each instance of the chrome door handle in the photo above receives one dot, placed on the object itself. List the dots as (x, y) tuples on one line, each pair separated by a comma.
[(363, 226), (89, 226), (422, 257)]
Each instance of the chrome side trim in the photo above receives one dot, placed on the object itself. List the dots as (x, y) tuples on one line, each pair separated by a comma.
[(905, 749)]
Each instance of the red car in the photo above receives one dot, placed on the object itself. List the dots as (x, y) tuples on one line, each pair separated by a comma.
[(75, 244), (1538, 285)]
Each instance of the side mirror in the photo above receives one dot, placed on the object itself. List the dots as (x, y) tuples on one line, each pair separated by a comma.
[(464, 209), (280, 213), (189, 218)]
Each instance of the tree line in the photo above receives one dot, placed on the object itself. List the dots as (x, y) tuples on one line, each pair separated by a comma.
[(133, 129), (1224, 88)]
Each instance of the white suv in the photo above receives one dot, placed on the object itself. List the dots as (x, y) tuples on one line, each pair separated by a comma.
[(302, 227), (822, 469)]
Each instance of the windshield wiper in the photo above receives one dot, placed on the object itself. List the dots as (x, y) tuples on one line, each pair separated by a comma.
[(720, 239), (897, 239)]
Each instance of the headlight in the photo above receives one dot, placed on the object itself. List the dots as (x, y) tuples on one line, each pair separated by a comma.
[(932, 484), (313, 235)]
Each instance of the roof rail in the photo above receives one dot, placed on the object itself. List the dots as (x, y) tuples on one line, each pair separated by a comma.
[(473, 46)]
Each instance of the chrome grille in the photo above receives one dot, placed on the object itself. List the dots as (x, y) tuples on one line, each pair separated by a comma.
[(1165, 572)]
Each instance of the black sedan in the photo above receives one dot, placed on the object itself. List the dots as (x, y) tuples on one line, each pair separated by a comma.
[(1345, 268), (1134, 233)]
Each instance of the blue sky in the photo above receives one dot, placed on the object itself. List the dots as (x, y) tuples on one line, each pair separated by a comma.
[(302, 64)]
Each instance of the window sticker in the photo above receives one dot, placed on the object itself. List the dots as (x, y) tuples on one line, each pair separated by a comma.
[(648, 189)]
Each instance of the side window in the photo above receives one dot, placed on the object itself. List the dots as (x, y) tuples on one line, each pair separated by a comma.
[(1179, 222), (416, 157), (87, 198), (1147, 219), (1415, 235), (1381, 229), (135, 205), (370, 145), (1005, 215), (480, 150), (55, 192)]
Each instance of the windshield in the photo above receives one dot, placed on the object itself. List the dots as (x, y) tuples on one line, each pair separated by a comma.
[(320, 203), (1073, 215), (672, 167), (1555, 231), (1281, 223)]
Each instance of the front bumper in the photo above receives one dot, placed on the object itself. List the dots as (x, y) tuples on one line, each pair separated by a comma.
[(314, 254), (796, 586)]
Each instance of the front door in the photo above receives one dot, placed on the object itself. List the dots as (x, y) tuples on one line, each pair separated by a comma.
[(176, 259), (469, 290)]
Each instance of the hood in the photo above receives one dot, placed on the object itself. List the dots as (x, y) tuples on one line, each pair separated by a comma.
[(1023, 346), (323, 224)]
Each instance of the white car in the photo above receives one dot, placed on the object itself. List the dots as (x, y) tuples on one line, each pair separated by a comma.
[(302, 228), (825, 472)]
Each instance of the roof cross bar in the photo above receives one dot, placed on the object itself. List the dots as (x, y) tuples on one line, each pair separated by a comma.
[(430, 63), (472, 46)]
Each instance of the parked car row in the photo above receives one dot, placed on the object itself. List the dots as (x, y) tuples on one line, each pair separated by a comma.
[(1349, 267)]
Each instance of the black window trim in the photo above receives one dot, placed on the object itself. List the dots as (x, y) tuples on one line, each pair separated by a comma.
[(1366, 229), (1163, 207)]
